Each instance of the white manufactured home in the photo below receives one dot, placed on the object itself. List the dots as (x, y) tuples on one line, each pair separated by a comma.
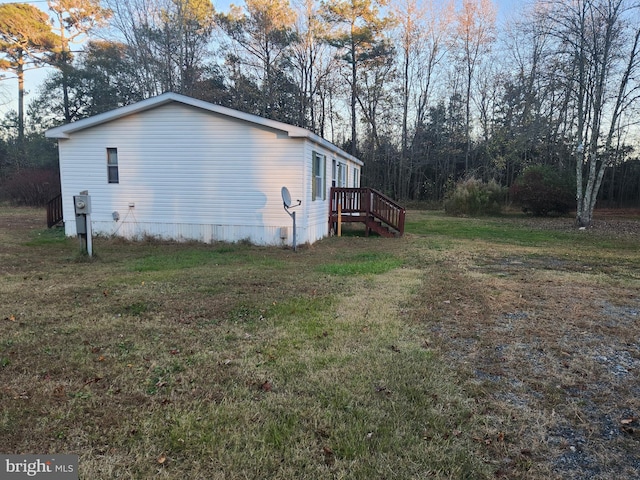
[(174, 167)]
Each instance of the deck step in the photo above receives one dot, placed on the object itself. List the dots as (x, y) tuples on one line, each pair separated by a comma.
[(381, 229)]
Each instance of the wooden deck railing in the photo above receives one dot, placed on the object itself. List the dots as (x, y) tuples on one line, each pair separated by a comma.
[(54, 211), (368, 206)]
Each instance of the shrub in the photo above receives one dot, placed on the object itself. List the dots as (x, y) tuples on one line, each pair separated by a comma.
[(542, 190), (32, 187), (475, 197)]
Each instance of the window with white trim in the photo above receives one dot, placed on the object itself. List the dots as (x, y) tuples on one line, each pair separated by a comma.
[(342, 175), (112, 165), (333, 173), (318, 176)]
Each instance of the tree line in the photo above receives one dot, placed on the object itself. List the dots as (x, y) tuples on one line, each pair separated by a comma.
[(426, 92)]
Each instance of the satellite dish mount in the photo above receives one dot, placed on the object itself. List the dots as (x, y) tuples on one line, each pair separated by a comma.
[(288, 206)]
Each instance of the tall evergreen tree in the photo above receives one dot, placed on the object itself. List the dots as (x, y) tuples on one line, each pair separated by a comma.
[(25, 38), (358, 35), (75, 19)]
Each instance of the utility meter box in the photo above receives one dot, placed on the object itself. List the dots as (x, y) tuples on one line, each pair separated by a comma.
[(82, 204), (82, 207), (81, 224)]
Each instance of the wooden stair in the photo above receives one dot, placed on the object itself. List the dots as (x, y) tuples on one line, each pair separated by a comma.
[(54, 211), (381, 229), (378, 212)]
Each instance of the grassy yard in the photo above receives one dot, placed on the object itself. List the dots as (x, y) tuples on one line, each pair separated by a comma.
[(470, 348)]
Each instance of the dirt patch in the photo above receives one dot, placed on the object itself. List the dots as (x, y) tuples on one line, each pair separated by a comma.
[(550, 345), (623, 223)]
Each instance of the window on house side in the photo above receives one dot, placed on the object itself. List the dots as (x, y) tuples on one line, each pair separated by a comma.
[(342, 175), (318, 177), (112, 165), (333, 173)]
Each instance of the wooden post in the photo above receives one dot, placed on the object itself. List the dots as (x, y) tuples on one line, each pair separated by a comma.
[(339, 219)]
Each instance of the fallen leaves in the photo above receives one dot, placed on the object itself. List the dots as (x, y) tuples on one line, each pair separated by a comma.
[(329, 457), (266, 386), (92, 380), (627, 426)]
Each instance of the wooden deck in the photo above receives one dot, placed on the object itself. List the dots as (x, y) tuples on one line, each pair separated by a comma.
[(378, 212)]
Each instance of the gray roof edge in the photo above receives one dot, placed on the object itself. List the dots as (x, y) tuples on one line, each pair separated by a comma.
[(64, 131), (327, 144)]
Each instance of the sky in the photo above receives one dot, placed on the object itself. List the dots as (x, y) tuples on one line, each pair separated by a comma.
[(33, 78)]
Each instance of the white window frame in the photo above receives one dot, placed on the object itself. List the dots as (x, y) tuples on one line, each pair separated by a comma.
[(318, 176), (333, 173), (342, 175), (113, 174)]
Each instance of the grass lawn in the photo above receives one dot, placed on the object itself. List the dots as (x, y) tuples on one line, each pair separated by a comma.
[(470, 348)]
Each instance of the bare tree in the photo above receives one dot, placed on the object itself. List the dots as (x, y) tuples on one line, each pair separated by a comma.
[(312, 65), (600, 41), (530, 96), (475, 32), (422, 37), (262, 33), (128, 19), (168, 41)]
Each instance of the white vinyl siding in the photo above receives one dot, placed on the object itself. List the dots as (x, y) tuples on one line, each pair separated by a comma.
[(186, 173), (185, 167)]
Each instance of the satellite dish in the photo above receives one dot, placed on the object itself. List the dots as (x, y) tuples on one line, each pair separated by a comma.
[(286, 200), (286, 197)]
